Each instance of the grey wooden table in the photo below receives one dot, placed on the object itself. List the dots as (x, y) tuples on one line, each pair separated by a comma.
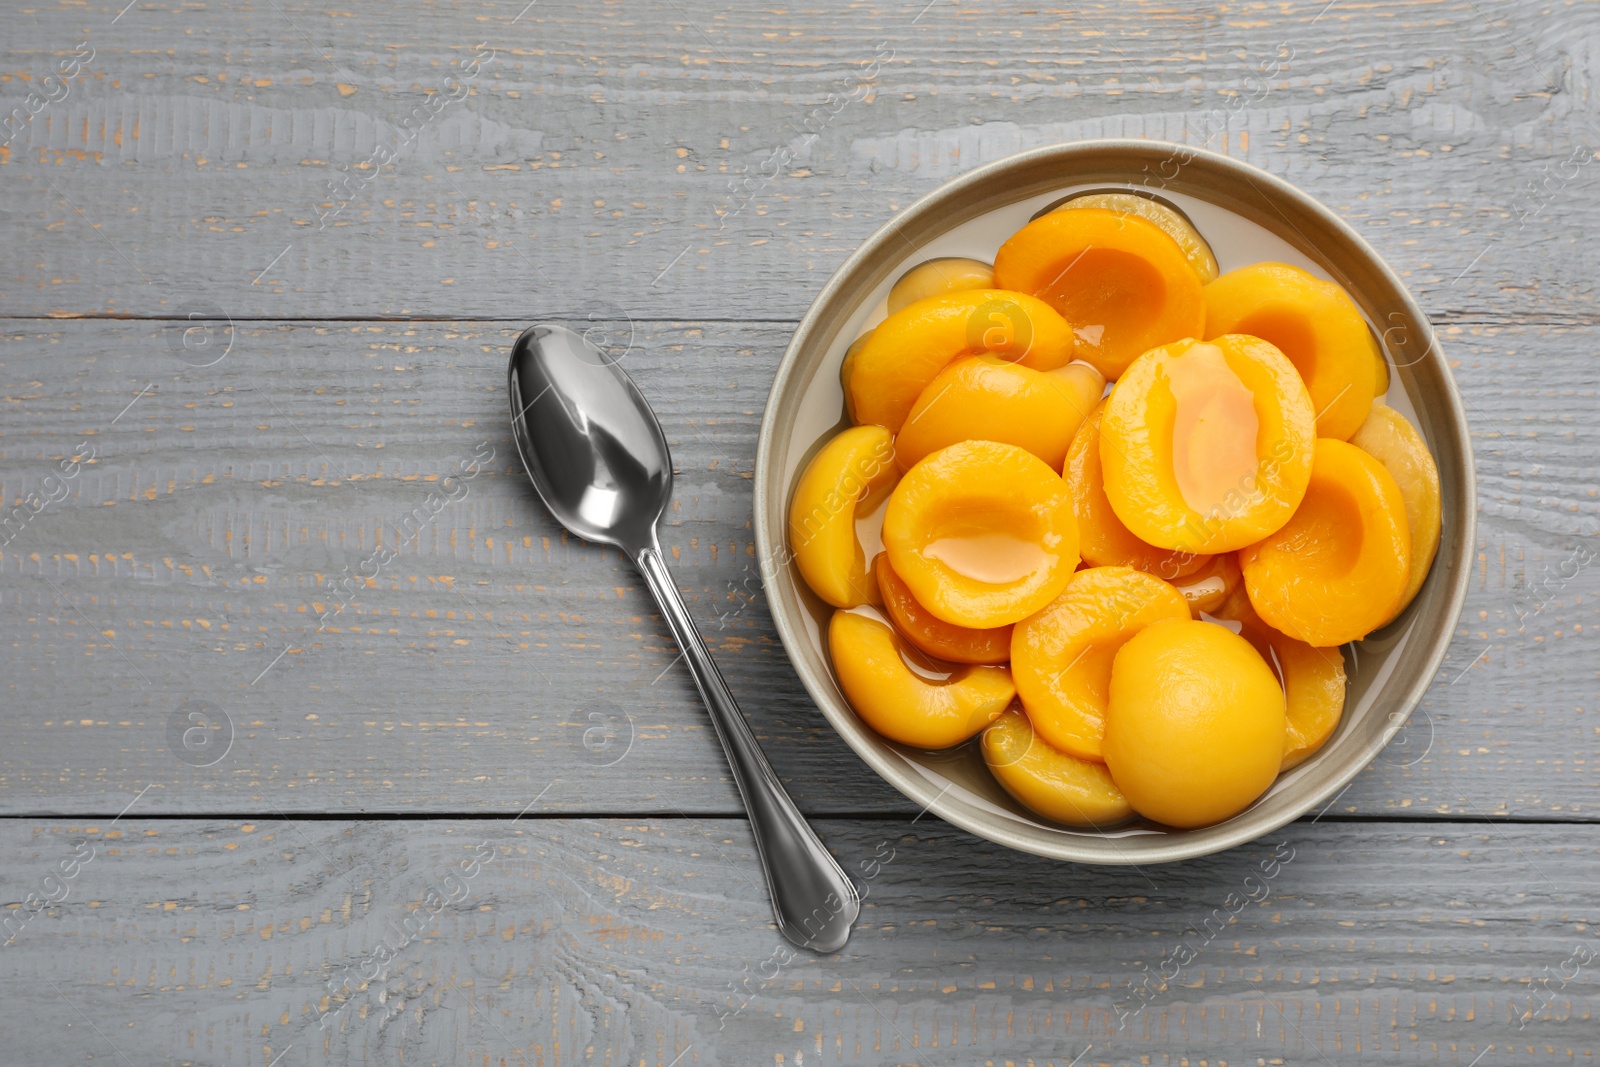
[(260, 263)]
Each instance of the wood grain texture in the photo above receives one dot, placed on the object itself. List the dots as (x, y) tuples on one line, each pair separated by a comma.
[(675, 171), (189, 555), (627, 942), (671, 158)]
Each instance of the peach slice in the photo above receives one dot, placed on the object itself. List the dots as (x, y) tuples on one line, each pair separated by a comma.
[(1048, 782), (1207, 445), (936, 277), (989, 399), (1102, 538), (845, 370), (932, 635), (1315, 324), (1209, 588), (848, 477), (982, 533), (1313, 687), (1123, 284), (1313, 680), (910, 347), (1061, 656), (1196, 726), (913, 707), (1390, 438), (1335, 571), (1172, 220), (1380, 375)]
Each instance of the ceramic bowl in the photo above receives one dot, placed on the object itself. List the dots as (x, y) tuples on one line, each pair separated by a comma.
[(1247, 215)]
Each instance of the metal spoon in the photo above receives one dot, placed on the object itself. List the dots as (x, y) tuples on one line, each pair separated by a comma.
[(599, 460)]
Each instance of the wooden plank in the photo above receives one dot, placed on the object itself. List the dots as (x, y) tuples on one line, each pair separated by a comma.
[(627, 942), (623, 154), (1439, 913), (188, 555)]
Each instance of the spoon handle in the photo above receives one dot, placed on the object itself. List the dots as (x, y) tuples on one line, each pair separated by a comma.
[(814, 902)]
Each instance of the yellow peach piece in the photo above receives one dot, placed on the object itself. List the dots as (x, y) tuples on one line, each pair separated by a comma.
[(1173, 222), (982, 533), (1196, 725), (907, 349), (1102, 538), (1061, 656), (1206, 446), (1315, 324), (1209, 588), (1380, 375), (1313, 680), (848, 477), (1335, 571), (1124, 284), (936, 277), (1390, 438), (1313, 689), (985, 398), (913, 707), (1050, 783), (846, 367), (932, 635)]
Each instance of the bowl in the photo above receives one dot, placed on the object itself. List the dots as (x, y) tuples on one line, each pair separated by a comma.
[(1248, 215)]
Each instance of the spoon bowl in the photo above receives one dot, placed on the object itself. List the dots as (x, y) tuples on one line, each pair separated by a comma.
[(596, 453)]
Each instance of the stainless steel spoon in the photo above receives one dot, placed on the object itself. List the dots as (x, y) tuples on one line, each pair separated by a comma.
[(599, 460)]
